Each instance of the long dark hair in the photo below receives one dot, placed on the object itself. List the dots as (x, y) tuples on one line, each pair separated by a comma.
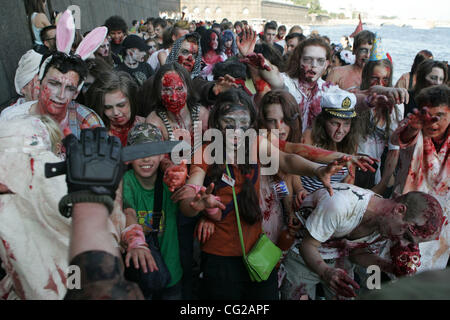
[(420, 56), (368, 72), (366, 126), (206, 40), (109, 82), (248, 201), (424, 68), (192, 98), (321, 138), (290, 112)]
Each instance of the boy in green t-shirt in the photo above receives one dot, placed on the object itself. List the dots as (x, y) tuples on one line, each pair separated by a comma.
[(139, 185)]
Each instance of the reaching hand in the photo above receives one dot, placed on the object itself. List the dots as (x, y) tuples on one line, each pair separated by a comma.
[(246, 43), (142, 257), (256, 60), (340, 282), (380, 101), (298, 200), (324, 173), (206, 200), (417, 119), (224, 83), (175, 176), (397, 95), (204, 230), (363, 162)]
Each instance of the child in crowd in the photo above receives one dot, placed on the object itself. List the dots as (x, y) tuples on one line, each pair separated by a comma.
[(141, 186), (113, 97)]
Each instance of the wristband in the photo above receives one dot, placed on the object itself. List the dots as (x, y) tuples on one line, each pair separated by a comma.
[(195, 187), (66, 203), (134, 237), (213, 211)]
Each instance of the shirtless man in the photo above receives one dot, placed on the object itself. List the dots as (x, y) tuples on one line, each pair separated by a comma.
[(349, 77)]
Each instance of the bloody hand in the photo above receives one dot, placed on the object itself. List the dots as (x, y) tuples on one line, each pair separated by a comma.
[(340, 282), (256, 60), (175, 176)]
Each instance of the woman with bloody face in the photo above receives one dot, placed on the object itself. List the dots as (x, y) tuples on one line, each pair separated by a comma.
[(211, 48), (113, 96)]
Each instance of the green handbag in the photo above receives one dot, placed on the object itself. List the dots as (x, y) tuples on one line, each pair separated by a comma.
[(264, 255)]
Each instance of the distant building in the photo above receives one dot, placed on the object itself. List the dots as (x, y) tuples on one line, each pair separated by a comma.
[(282, 11)]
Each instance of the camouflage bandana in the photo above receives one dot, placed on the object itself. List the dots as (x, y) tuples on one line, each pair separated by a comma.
[(144, 132)]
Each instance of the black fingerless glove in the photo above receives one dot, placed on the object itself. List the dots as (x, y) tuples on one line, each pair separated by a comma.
[(94, 169)]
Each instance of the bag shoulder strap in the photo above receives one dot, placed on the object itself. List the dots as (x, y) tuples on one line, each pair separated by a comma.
[(157, 204), (236, 209)]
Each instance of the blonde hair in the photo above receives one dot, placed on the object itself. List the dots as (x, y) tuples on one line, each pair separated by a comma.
[(54, 132)]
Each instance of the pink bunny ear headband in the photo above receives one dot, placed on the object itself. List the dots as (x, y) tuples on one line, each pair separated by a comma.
[(65, 35)]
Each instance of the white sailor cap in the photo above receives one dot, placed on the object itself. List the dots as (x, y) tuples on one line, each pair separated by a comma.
[(339, 103)]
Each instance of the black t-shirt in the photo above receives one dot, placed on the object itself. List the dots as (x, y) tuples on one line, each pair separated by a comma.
[(116, 48), (411, 105), (140, 74)]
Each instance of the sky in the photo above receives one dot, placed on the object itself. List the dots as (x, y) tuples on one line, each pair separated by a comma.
[(418, 9)]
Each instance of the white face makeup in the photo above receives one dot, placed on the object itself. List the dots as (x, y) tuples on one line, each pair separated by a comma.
[(237, 121), (57, 91), (117, 108), (137, 55), (314, 62), (337, 128), (435, 77)]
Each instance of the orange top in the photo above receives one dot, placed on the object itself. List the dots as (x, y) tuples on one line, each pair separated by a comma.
[(225, 239)]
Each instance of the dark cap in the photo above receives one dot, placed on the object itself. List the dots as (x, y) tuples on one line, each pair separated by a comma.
[(134, 41)]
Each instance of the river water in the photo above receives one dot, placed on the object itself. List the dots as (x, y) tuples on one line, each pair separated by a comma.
[(402, 43)]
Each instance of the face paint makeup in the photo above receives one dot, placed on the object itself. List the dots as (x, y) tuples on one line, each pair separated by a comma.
[(57, 91), (187, 54), (214, 43), (380, 76), (117, 36), (274, 118), (173, 92), (313, 62), (406, 259), (337, 129), (103, 50), (117, 108), (236, 122), (363, 54)]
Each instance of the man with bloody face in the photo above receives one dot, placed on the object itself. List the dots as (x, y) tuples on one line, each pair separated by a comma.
[(350, 228), (60, 82)]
